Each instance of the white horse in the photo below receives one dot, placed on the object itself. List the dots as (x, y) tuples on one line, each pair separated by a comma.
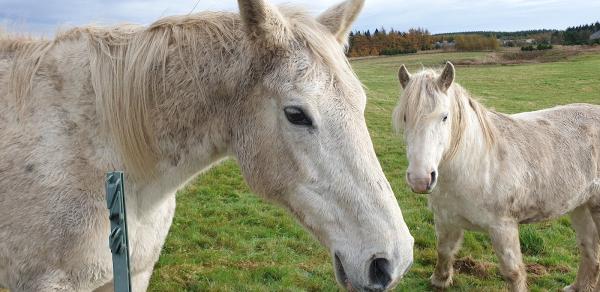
[(495, 171), (270, 87)]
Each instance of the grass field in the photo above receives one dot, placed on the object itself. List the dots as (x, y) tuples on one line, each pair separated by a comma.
[(226, 239)]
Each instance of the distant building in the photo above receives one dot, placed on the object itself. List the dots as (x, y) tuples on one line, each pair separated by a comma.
[(445, 45), (518, 42), (595, 36), (509, 43)]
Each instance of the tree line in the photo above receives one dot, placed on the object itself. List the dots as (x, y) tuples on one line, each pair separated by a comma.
[(392, 42), (382, 42), (579, 35), (503, 34)]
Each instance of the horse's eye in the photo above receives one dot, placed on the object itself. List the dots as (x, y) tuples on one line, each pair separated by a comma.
[(405, 118), (445, 118), (297, 116)]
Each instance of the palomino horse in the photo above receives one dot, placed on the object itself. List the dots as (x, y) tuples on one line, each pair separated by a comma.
[(495, 171), (270, 87)]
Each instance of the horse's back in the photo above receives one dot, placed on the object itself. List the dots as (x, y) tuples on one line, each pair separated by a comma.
[(576, 123), (563, 112), (569, 126), (552, 153)]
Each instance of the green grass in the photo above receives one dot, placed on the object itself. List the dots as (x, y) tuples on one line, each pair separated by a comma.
[(226, 239)]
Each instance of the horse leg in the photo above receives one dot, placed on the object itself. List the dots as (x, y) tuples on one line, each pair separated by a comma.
[(108, 287), (594, 208), (140, 281), (50, 281), (449, 239), (505, 240), (587, 238)]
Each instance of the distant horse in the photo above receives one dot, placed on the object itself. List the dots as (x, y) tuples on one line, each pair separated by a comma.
[(270, 87), (495, 171)]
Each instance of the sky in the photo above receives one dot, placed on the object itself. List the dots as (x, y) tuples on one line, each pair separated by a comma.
[(44, 17)]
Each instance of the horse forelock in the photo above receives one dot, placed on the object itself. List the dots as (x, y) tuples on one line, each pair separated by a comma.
[(327, 55), (418, 99)]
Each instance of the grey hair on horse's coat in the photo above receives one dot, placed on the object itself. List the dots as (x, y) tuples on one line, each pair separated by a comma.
[(490, 171), (270, 87)]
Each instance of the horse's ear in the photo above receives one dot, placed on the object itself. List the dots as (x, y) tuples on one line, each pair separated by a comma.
[(264, 23), (403, 76), (447, 77), (338, 19)]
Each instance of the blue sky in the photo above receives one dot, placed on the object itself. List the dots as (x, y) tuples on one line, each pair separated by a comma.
[(43, 17)]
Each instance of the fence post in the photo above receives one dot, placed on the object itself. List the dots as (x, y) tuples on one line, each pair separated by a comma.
[(118, 242)]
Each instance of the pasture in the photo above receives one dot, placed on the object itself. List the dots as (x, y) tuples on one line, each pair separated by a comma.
[(224, 238)]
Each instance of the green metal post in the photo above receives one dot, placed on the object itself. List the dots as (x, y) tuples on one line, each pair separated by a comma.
[(118, 242)]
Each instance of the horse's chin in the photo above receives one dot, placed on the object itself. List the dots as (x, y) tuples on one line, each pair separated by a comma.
[(428, 191)]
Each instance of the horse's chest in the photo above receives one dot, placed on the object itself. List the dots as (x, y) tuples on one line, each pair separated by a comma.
[(147, 232), (470, 212)]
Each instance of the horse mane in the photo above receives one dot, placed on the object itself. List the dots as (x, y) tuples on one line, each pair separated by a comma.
[(419, 100), (482, 113), (128, 67), (28, 51)]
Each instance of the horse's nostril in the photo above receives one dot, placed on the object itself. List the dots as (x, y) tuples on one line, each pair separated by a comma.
[(340, 272), (379, 273), (433, 177)]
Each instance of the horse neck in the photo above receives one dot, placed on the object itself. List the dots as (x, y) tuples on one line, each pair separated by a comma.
[(193, 119), (473, 150)]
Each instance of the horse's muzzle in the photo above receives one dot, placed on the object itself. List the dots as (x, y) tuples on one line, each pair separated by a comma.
[(422, 185)]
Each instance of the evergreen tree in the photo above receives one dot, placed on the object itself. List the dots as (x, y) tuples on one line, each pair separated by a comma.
[(390, 42)]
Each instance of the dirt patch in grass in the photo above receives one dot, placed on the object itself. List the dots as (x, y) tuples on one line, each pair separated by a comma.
[(249, 265), (560, 268), (510, 58), (467, 265), (536, 269), (559, 53)]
